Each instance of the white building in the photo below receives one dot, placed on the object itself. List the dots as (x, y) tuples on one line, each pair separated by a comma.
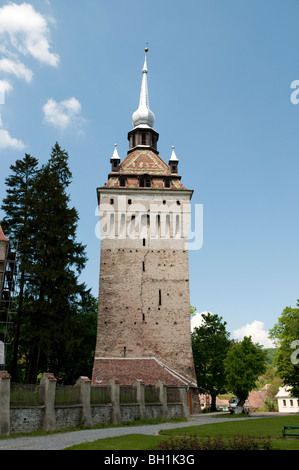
[(286, 403)]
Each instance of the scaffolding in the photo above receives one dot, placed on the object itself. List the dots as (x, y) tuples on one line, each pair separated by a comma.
[(8, 285)]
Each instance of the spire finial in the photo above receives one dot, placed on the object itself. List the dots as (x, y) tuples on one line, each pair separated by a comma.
[(143, 116), (173, 157), (115, 155)]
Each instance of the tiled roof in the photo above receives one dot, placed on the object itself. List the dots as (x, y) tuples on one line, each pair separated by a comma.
[(256, 399), (2, 236), (127, 370), (144, 162)]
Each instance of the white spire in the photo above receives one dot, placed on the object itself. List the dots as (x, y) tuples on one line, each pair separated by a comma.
[(115, 155), (143, 116), (173, 157)]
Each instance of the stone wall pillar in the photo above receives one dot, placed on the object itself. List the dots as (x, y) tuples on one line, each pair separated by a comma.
[(114, 396), (140, 397), (4, 403), (84, 384), (162, 398), (183, 400), (48, 390)]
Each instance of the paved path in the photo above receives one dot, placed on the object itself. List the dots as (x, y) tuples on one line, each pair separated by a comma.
[(62, 440)]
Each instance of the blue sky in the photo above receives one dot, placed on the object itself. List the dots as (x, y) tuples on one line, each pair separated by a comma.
[(220, 77)]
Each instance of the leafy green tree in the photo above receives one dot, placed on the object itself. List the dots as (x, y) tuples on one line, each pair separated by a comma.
[(210, 344), (17, 206), (244, 363), (285, 333)]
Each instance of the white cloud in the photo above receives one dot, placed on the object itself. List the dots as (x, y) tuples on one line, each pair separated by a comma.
[(257, 333), (26, 31), (23, 31), (6, 141), (16, 68), (62, 114), (5, 86), (197, 320)]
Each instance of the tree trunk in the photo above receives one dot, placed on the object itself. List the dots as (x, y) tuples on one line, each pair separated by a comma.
[(32, 370), (213, 403), (240, 407)]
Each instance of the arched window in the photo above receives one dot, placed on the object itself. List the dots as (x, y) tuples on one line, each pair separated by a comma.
[(122, 181), (167, 183), (145, 181)]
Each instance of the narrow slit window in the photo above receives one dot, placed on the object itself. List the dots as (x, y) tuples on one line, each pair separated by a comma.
[(177, 224), (160, 297), (158, 225), (143, 266), (132, 223), (143, 242)]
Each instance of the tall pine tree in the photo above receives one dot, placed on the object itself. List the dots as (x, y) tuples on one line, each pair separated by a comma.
[(58, 262), (17, 206)]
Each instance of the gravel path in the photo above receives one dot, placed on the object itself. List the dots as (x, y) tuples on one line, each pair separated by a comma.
[(62, 440)]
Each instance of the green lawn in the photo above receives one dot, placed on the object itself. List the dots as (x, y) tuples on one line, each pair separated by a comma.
[(254, 427)]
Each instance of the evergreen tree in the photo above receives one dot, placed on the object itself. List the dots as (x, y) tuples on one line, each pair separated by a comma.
[(58, 262), (17, 206)]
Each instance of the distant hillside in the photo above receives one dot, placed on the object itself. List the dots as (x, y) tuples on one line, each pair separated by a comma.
[(270, 354)]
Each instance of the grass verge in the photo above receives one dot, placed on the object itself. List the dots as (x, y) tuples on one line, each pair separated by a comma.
[(259, 427)]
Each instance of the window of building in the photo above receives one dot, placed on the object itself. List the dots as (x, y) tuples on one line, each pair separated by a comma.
[(284, 402), (122, 181), (143, 138), (133, 141), (167, 183), (160, 297), (145, 181)]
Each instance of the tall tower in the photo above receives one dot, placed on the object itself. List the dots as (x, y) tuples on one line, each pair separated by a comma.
[(144, 310)]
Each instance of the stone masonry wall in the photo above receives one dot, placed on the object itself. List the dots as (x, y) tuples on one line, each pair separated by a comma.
[(144, 302)]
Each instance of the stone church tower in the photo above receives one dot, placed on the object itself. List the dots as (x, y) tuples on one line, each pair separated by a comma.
[(144, 310)]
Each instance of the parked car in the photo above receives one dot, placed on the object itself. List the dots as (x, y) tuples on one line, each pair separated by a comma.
[(233, 403)]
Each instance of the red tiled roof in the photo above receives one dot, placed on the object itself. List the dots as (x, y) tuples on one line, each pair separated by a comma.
[(256, 399), (144, 162), (2, 236), (127, 370)]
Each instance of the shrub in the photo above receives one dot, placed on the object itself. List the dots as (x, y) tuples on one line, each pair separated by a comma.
[(238, 442)]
